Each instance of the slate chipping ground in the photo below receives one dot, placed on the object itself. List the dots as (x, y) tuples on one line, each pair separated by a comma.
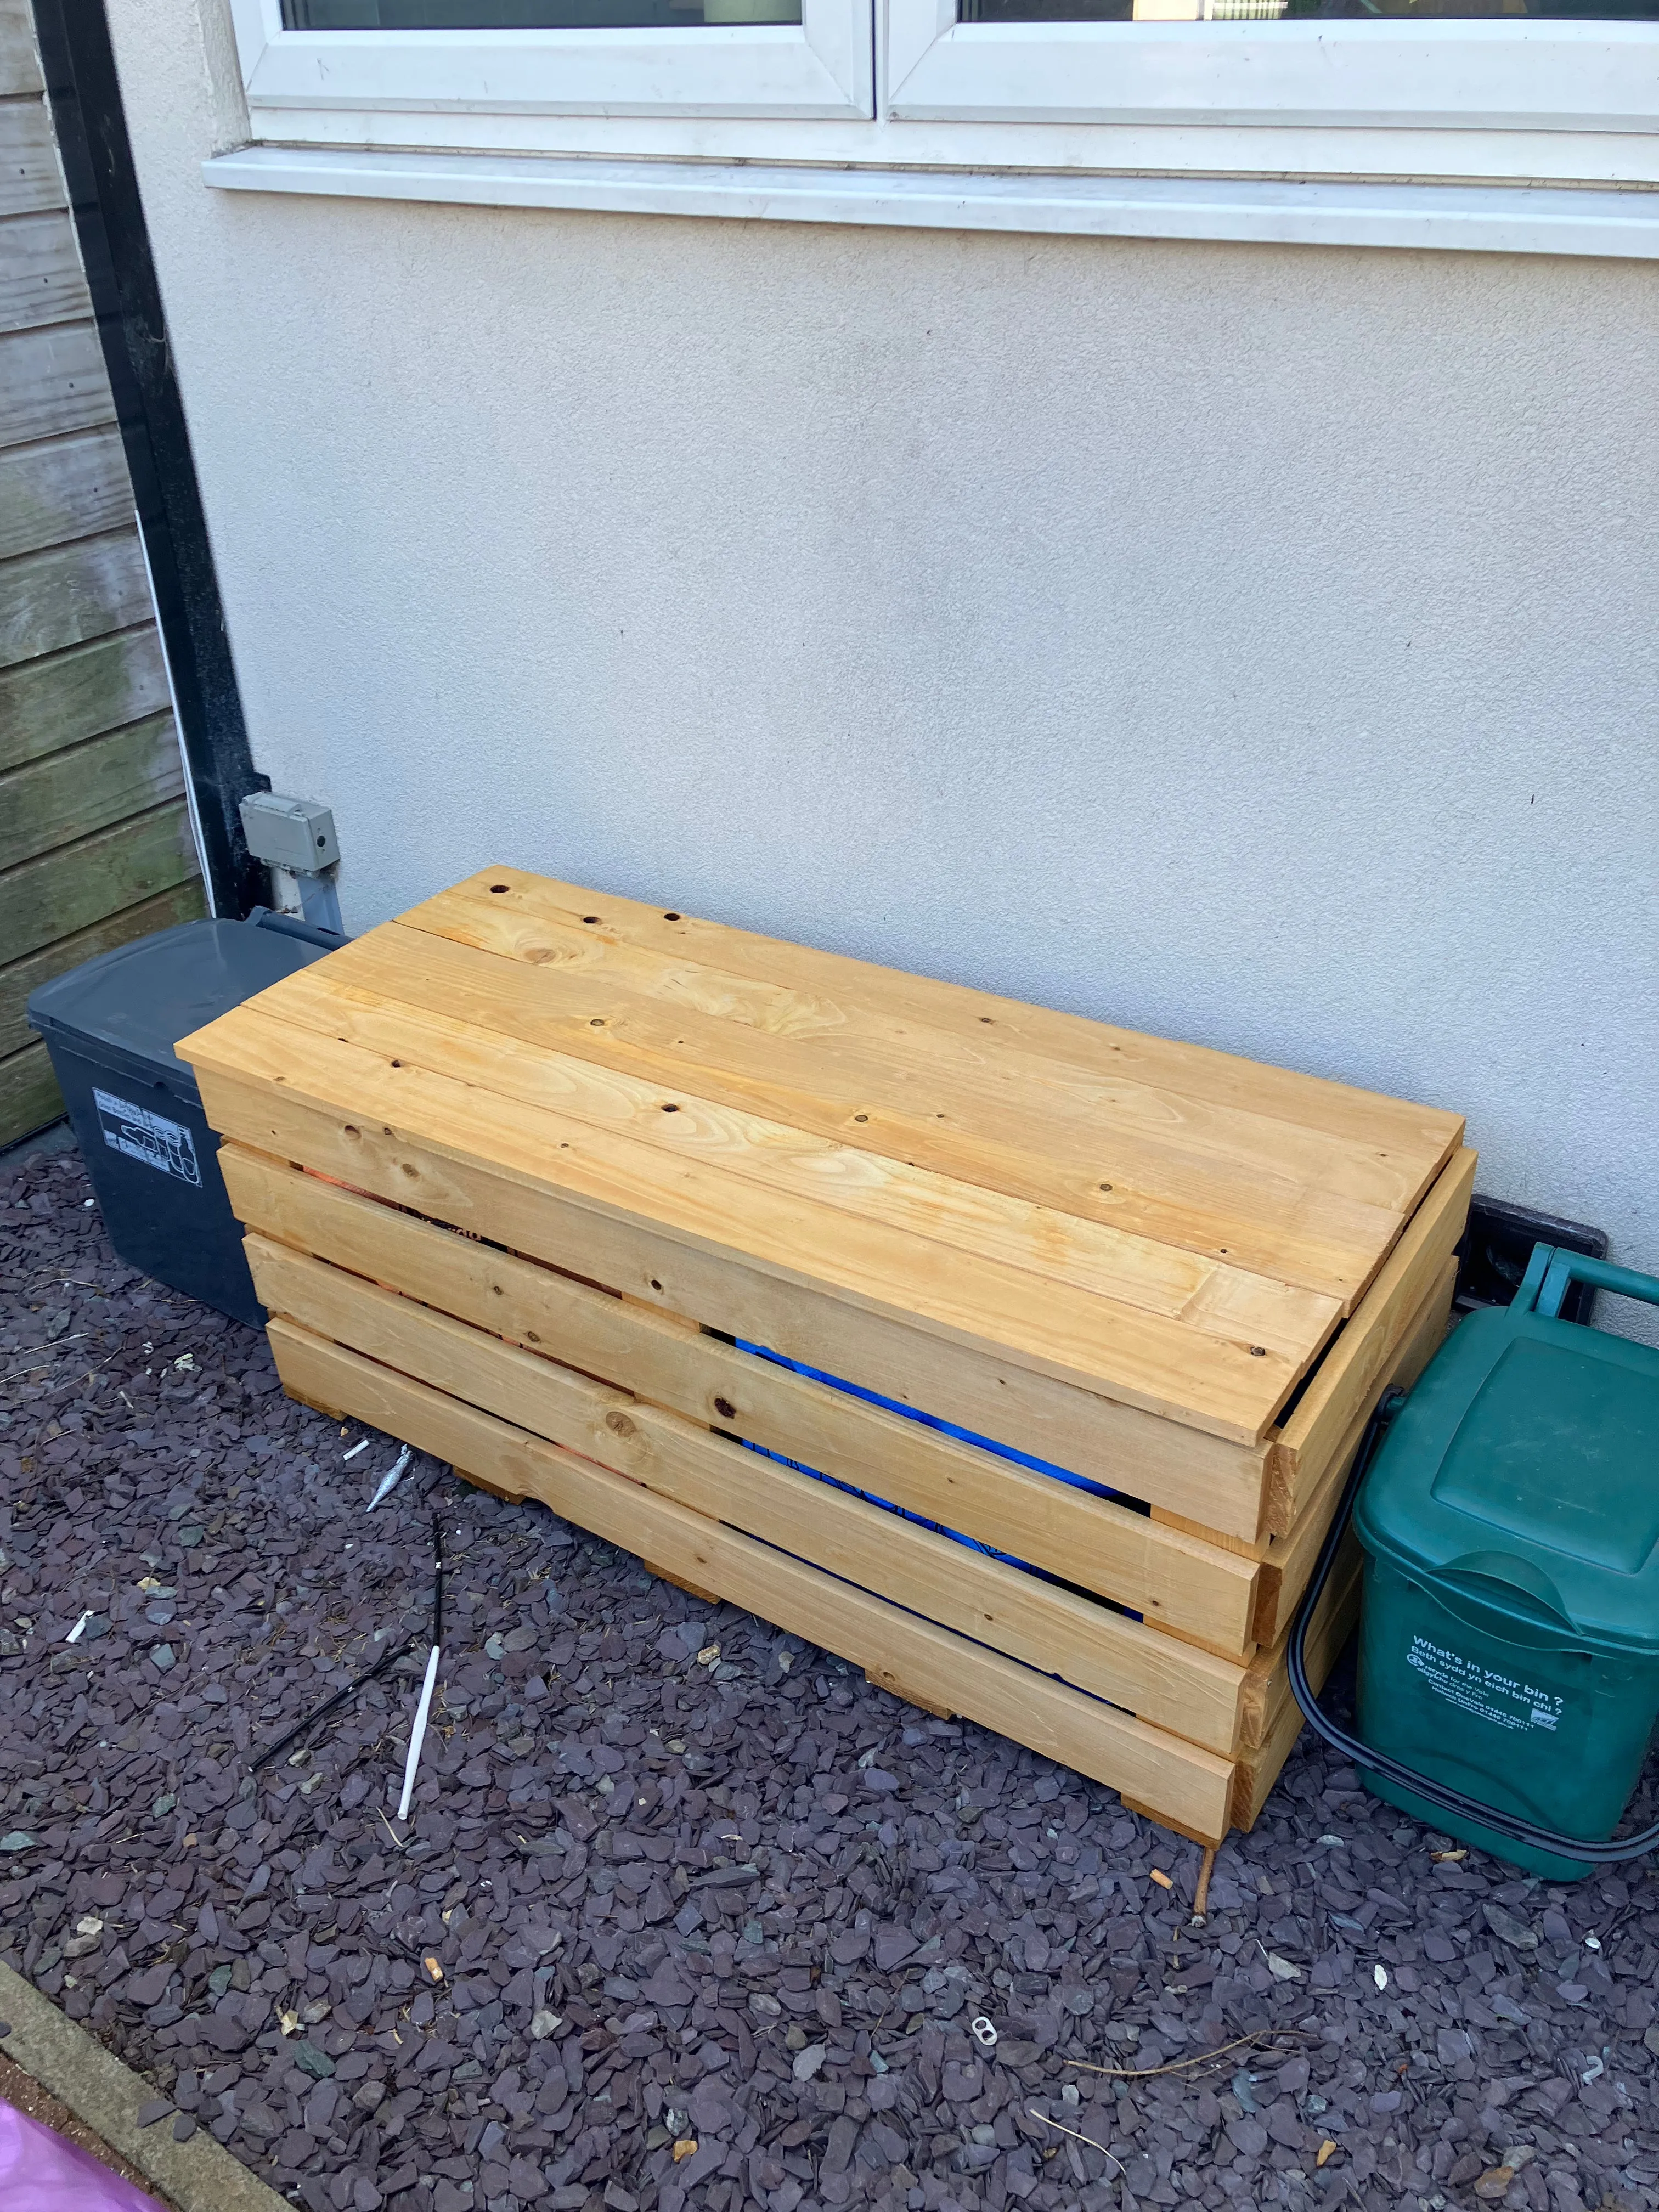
[(673, 1877)]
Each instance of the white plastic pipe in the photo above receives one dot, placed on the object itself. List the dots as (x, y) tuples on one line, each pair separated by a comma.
[(417, 1734)]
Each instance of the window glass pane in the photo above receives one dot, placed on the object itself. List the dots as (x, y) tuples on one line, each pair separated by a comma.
[(1241, 11), (530, 14)]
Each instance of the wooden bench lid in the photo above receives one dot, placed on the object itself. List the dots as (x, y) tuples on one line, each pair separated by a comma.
[(1164, 1224)]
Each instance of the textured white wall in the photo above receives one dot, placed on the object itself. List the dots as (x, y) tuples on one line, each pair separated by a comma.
[(1254, 645)]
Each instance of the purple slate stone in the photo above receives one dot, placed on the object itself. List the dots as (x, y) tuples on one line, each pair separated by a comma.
[(987, 1880)]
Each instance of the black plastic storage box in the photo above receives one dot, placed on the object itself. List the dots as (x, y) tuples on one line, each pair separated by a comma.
[(110, 1026)]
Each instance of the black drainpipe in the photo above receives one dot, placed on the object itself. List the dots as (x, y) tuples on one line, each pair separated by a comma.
[(85, 93)]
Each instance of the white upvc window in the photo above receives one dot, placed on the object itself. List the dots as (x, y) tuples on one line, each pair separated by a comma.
[(1374, 121), (806, 59), (1503, 74)]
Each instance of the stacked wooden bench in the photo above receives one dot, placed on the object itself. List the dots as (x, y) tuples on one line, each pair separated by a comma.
[(534, 1177)]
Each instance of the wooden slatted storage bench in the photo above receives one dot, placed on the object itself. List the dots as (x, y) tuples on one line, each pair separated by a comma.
[(534, 1177)]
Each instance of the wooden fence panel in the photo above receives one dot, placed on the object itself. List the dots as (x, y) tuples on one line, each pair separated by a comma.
[(69, 594), (52, 381), (59, 892), (40, 278), (73, 488), (86, 787), (95, 845), (20, 71), (29, 176), (81, 693), (184, 903)]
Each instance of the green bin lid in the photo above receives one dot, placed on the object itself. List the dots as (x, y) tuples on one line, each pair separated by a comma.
[(1526, 1464)]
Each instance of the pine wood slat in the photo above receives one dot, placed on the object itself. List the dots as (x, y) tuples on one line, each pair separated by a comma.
[(1144, 1359), (1186, 1786), (1192, 1071), (1188, 1586), (1267, 1686), (1272, 1719), (69, 594), (40, 278), (1350, 1378), (1202, 1129), (30, 181), (76, 885), (73, 488), (71, 793), (1171, 1684), (184, 903), (1271, 1545), (1287, 1561), (52, 381), (1258, 1769), (1124, 1155), (1211, 1299), (249, 1099), (80, 693)]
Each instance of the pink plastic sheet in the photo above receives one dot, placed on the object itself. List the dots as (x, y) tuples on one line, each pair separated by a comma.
[(40, 2172)]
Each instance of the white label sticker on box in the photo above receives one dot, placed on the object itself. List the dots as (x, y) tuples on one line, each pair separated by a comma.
[(147, 1136), (1503, 1699)]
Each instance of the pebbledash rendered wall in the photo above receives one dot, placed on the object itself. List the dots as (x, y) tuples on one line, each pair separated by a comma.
[(1254, 644)]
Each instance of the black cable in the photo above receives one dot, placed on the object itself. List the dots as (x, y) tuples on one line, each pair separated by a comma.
[(321, 1712), (437, 1581), (393, 1651), (1440, 1794)]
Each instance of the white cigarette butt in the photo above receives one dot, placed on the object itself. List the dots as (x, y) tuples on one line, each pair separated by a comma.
[(357, 1448)]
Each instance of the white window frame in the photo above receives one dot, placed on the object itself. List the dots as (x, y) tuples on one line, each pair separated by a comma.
[(820, 68), (1384, 132), (1510, 75)]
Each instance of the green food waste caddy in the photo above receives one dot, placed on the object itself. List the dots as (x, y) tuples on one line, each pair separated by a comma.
[(1510, 1633)]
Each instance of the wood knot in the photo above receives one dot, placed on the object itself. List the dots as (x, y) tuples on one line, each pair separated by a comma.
[(618, 1423)]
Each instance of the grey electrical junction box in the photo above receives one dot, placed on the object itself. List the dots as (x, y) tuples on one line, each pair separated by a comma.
[(289, 833)]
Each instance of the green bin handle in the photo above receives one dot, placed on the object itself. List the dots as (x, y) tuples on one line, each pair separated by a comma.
[(1477, 1573), (1565, 1268)]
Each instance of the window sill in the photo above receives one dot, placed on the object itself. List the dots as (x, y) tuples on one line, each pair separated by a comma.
[(1470, 218)]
